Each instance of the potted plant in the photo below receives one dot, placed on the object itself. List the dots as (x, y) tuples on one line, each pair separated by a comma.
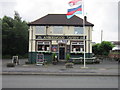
[(54, 58), (68, 57), (10, 65), (69, 63)]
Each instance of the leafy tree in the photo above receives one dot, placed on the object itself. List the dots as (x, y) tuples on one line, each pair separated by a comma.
[(96, 49), (17, 16), (106, 47), (102, 48), (14, 36), (7, 26)]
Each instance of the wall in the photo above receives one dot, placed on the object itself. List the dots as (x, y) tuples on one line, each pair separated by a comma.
[(67, 30)]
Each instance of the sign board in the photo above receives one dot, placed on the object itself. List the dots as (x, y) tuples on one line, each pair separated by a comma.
[(54, 48), (15, 60), (58, 37), (40, 59), (63, 41)]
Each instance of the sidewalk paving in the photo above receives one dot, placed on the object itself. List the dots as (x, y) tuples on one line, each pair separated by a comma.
[(107, 68)]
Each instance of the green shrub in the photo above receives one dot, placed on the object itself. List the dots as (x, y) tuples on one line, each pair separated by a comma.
[(25, 55), (53, 56), (89, 62), (54, 60), (10, 65), (67, 57), (69, 65), (27, 62), (6, 56), (97, 61)]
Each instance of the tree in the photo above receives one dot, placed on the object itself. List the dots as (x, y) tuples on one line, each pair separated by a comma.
[(103, 48), (7, 33), (17, 16), (14, 36), (95, 49)]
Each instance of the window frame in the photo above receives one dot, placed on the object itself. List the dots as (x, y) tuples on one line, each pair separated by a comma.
[(40, 30), (55, 28), (44, 44), (79, 32), (77, 43)]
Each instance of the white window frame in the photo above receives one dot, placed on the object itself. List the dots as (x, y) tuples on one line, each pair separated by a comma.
[(44, 43), (58, 30), (79, 30), (81, 43), (39, 29)]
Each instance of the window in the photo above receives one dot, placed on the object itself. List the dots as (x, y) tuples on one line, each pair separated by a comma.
[(77, 46), (78, 30), (57, 30), (43, 46), (40, 30)]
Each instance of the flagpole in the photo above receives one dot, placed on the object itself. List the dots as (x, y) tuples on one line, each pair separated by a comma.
[(84, 35), (70, 14)]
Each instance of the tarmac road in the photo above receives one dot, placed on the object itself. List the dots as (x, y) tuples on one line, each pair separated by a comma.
[(37, 81)]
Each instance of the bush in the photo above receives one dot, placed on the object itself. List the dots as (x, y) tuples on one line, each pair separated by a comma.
[(25, 55), (27, 62), (97, 61), (6, 56), (53, 56), (69, 65), (54, 59), (89, 62), (67, 57), (10, 65)]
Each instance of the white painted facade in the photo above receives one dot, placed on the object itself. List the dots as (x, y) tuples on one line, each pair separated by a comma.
[(62, 31)]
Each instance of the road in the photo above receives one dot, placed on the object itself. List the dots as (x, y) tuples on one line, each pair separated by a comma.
[(37, 81)]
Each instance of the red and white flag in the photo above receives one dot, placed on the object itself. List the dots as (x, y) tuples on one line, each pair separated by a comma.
[(75, 2)]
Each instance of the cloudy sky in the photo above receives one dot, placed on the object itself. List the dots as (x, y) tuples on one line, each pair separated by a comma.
[(102, 13)]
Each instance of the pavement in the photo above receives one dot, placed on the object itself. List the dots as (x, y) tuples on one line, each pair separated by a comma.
[(105, 68)]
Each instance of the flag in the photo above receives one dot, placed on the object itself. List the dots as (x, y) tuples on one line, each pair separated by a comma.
[(74, 11), (75, 2)]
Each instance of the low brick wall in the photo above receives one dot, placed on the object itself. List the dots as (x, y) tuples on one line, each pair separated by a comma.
[(112, 55)]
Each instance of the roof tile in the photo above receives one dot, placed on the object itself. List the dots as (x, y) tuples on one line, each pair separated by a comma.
[(59, 20)]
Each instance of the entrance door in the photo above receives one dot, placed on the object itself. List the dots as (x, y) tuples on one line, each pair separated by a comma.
[(62, 53)]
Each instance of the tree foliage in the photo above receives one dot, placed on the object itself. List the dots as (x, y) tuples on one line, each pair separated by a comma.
[(14, 36), (102, 48)]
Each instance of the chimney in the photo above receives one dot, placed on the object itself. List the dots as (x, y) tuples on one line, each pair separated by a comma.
[(85, 18)]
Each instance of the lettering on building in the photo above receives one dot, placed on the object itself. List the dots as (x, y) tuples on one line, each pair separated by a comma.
[(58, 37)]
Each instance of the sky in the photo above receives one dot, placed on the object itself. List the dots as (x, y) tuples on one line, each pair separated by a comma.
[(102, 13)]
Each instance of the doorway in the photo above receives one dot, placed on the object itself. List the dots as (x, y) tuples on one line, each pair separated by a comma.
[(61, 53), (62, 50)]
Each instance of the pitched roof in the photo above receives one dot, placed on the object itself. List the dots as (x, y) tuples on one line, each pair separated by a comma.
[(59, 20)]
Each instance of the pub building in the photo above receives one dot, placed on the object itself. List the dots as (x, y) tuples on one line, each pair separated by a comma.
[(54, 33)]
